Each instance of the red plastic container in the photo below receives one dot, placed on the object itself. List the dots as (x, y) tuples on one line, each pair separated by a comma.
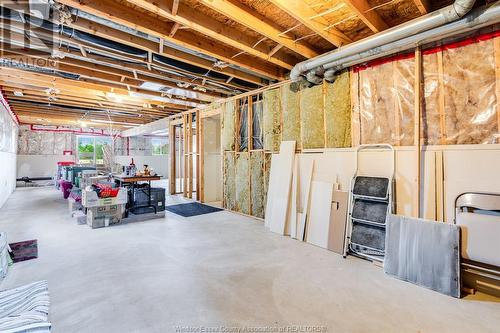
[(65, 163)]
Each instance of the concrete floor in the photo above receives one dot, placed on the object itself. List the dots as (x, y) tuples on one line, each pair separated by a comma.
[(213, 270)]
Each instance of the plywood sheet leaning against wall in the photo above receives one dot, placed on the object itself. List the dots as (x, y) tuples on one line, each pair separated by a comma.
[(278, 196), (229, 181), (312, 117), (242, 183), (228, 126), (386, 94), (338, 112), (318, 223), (272, 120), (290, 103), (257, 183), (470, 96)]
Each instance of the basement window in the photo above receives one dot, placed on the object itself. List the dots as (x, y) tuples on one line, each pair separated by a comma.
[(160, 146), (90, 149)]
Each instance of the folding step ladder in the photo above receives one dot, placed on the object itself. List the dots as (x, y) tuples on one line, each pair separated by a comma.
[(370, 201)]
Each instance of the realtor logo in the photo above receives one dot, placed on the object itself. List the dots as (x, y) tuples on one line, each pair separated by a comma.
[(27, 33)]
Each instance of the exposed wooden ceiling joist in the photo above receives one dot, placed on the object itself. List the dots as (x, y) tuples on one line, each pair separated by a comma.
[(252, 20), (209, 26), (79, 96), (147, 45), (369, 16), (423, 6), (94, 71), (69, 102), (134, 41), (302, 12), (98, 87), (27, 117), (126, 16), (22, 81)]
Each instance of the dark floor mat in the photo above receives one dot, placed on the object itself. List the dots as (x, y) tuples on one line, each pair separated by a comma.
[(25, 250), (192, 209)]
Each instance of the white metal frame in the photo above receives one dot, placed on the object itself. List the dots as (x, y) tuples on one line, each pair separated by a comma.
[(390, 207)]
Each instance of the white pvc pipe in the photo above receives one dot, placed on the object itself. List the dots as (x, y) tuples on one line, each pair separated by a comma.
[(432, 20), (478, 18)]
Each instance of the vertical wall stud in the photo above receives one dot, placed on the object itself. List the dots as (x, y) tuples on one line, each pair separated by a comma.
[(416, 121)]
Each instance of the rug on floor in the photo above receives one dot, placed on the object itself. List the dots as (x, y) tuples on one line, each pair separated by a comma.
[(192, 209), (26, 250)]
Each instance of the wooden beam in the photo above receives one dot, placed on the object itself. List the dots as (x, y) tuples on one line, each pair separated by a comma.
[(175, 7), (79, 96), (302, 12), (36, 119), (68, 102), (111, 10), (369, 16), (172, 149), (185, 154), (275, 49), (197, 155), (208, 26), (442, 103), (72, 114), (147, 45), (174, 29), (496, 42), (82, 50), (110, 66), (45, 79), (252, 20), (356, 112), (423, 6), (419, 98), (22, 82)]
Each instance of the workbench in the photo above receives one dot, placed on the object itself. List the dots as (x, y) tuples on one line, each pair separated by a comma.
[(131, 181)]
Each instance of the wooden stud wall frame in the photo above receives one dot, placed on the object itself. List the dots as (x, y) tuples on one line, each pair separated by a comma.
[(356, 133), (248, 100)]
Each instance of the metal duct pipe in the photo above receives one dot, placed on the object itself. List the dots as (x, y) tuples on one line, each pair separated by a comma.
[(330, 75), (477, 19), (315, 76), (432, 20)]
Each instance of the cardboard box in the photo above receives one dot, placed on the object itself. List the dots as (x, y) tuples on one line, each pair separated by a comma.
[(103, 216)]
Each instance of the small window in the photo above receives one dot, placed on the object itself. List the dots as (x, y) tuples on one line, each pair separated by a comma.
[(160, 146), (90, 149)]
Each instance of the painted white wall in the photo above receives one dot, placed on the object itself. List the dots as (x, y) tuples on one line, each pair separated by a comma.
[(8, 150), (461, 173), (158, 162), (40, 165), (7, 176)]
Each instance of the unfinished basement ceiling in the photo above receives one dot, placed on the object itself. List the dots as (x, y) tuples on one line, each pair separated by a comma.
[(111, 56)]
